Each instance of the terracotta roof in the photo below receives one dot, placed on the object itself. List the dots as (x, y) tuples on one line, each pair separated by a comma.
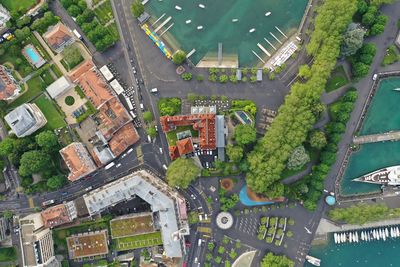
[(55, 216), (7, 86), (78, 161), (92, 83), (185, 146), (57, 35), (123, 138), (87, 244), (174, 152), (111, 117), (204, 123)]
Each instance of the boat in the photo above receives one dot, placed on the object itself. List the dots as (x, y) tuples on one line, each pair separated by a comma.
[(397, 231), (235, 20), (202, 6), (385, 176), (386, 232), (314, 261), (362, 236), (267, 14), (335, 238), (199, 27), (178, 8), (357, 237), (350, 238), (396, 89), (252, 30), (188, 21)]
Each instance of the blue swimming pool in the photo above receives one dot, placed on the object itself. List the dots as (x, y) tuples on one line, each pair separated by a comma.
[(244, 198), (32, 54)]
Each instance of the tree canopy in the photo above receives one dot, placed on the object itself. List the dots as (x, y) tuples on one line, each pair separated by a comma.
[(179, 57), (47, 140), (271, 260), (147, 116), (245, 134), (182, 172), (298, 158), (235, 153), (137, 8), (56, 182), (352, 40), (34, 161), (169, 106), (318, 139)]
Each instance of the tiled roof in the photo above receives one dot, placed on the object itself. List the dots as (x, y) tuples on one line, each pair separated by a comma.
[(123, 138), (78, 160), (185, 146), (7, 85), (55, 216), (58, 35)]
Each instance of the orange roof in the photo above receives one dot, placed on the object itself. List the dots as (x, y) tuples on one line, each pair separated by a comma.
[(185, 146), (55, 216), (78, 161), (204, 123), (111, 117), (57, 35), (7, 86), (92, 83), (123, 138), (87, 244), (174, 152)]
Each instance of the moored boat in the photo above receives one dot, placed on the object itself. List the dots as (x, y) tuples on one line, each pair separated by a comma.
[(385, 176), (178, 8), (267, 14), (252, 30), (314, 261), (202, 6)]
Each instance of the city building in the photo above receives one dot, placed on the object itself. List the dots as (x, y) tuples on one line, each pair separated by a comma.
[(59, 214), (78, 160), (222, 133), (25, 119), (59, 87), (4, 17), (9, 87), (58, 37), (88, 245), (183, 147), (36, 242), (3, 228), (167, 205)]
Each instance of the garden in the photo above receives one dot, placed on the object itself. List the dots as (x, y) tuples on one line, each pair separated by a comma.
[(274, 229), (18, 8), (391, 56), (224, 253), (54, 117), (36, 87), (338, 79), (8, 254), (138, 241), (71, 57)]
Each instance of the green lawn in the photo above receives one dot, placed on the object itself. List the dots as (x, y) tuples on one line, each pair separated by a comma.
[(36, 87), (47, 78), (338, 79), (20, 6), (56, 70), (54, 118), (171, 136), (112, 28), (104, 12), (392, 55), (8, 254), (139, 241), (24, 68)]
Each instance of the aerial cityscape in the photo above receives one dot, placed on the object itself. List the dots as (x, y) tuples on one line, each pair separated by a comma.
[(199, 133)]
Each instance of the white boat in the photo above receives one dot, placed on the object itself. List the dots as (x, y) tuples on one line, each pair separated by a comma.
[(396, 89), (397, 231), (178, 8), (188, 21), (335, 238), (267, 14), (235, 20), (374, 234), (386, 232), (343, 237), (202, 6), (252, 30), (385, 176), (384, 235), (362, 236), (199, 27), (357, 237), (314, 261), (391, 232), (350, 238)]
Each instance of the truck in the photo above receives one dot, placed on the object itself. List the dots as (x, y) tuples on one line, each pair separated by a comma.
[(48, 202), (154, 91), (132, 114), (77, 34), (108, 166)]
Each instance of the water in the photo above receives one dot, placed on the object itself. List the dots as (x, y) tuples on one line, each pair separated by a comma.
[(244, 198), (363, 254), (216, 19), (32, 54), (382, 116)]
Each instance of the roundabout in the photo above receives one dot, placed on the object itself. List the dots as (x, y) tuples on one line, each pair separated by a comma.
[(224, 220)]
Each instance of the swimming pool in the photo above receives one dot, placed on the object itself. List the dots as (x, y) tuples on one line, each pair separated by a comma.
[(245, 118), (244, 198), (32, 54)]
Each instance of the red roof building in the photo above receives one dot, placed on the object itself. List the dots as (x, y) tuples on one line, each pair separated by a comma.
[(9, 88), (182, 147)]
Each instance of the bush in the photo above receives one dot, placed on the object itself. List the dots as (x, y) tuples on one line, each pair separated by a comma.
[(169, 106), (187, 76), (223, 78), (253, 79), (179, 57), (271, 76), (233, 78), (137, 8), (213, 78), (147, 116), (212, 71), (244, 79), (200, 78), (298, 158)]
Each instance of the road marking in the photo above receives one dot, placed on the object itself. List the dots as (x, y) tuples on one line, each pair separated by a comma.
[(31, 203)]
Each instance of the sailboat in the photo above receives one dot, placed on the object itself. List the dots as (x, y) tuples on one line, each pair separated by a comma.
[(178, 8), (252, 30), (235, 20), (267, 14), (396, 89)]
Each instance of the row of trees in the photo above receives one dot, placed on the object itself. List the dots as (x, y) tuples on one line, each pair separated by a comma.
[(363, 213), (302, 106), (35, 155), (99, 35), (271, 260), (310, 188)]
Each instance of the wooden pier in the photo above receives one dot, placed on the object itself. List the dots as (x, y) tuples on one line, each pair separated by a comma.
[(375, 138), (162, 24), (270, 43), (263, 49), (275, 37)]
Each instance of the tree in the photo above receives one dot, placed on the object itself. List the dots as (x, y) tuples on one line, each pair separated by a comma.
[(56, 182), (8, 214), (23, 21), (182, 172), (137, 8), (369, 17), (34, 161), (187, 76), (271, 260), (298, 158), (235, 153), (74, 10), (48, 141), (7, 146), (305, 71), (352, 40), (318, 139), (377, 29), (245, 134), (151, 131), (169, 106), (179, 57), (147, 116)]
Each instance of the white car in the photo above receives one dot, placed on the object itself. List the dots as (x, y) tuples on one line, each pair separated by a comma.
[(118, 165), (155, 126), (375, 77), (161, 150)]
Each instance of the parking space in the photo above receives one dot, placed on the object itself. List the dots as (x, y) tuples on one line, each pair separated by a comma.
[(248, 225)]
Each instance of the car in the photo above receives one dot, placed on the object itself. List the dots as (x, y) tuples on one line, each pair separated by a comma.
[(142, 106), (161, 150), (375, 77), (207, 165), (88, 188), (165, 167), (155, 126), (123, 155), (193, 196), (137, 82), (130, 150), (196, 259), (134, 72), (154, 91), (118, 165), (64, 193)]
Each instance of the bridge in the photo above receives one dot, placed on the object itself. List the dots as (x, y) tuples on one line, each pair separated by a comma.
[(374, 138)]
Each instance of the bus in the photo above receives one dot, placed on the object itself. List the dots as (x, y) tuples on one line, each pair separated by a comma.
[(76, 33), (109, 165), (128, 101)]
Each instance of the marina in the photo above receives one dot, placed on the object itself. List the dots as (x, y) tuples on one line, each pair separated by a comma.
[(366, 235)]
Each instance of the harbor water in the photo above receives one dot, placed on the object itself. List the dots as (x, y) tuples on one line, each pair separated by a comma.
[(216, 18), (377, 253), (382, 116)]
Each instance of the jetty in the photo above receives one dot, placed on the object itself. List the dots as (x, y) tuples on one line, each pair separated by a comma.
[(375, 138), (275, 38), (258, 56), (270, 43), (154, 23), (219, 53), (169, 27), (281, 32), (162, 24), (263, 49), (191, 53)]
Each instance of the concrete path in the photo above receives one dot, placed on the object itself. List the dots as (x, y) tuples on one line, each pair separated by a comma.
[(374, 138)]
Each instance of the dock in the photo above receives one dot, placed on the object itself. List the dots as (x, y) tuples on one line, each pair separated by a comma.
[(154, 23), (263, 49), (375, 138), (144, 2), (169, 27), (270, 43), (219, 53), (275, 37), (162, 24), (191, 53), (258, 56), (281, 32)]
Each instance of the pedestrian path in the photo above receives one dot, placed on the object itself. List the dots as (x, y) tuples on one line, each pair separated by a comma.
[(374, 138)]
